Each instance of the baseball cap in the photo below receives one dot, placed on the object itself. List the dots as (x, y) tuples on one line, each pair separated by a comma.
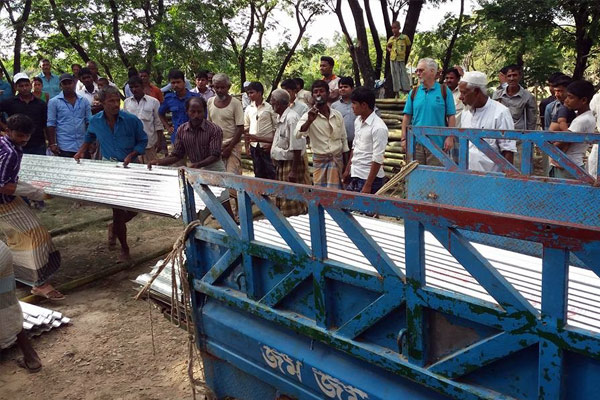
[(65, 77), (19, 76)]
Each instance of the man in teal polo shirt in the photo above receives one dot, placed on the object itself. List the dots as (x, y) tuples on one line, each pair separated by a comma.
[(50, 81), (428, 107)]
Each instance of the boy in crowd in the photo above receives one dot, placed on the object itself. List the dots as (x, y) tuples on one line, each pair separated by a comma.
[(364, 173), (560, 115), (175, 103), (344, 106), (579, 95), (202, 87), (398, 46), (259, 126), (290, 86)]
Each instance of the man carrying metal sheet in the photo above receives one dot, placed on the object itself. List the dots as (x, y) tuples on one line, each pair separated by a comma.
[(122, 138)]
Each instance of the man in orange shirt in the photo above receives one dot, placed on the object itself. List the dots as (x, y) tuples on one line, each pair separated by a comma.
[(149, 88)]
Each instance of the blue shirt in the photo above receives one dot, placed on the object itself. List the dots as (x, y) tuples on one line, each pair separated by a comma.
[(69, 120), (8, 93), (128, 135), (52, 85), (428, 108), (548, 114), (176, 106)]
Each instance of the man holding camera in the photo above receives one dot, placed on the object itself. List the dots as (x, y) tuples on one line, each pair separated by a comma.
[(328, 139)]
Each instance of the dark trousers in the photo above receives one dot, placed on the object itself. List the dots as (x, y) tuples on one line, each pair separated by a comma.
[(39, 150), (356, 184), (262, 163), (67, 154)]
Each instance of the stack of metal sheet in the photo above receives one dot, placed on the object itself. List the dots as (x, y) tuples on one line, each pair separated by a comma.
[(161, 289), (135, 188), (37, 320)]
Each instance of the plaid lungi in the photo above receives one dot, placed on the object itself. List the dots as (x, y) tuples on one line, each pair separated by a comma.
[(283, 169), (11, 316), (34, 255), (328, 170)]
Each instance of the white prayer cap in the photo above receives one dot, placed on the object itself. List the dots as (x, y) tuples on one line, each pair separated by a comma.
[(475, 78), (246, 84)]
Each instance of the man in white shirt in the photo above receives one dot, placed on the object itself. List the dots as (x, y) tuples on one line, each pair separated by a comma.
[(579, 96), (364, 173), (146, 109), (484, 113), (259, 126), (593, 159), (291, 87), (88, 89), (288, 150), (202, 87)]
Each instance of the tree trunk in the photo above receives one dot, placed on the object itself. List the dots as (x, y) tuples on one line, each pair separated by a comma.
[(376, 40), (63, 30), (19, 28), (586, 32), (387, 73), (117, 35), (349, 42), (302, 25), (362, 46), (455, 34), (412, 19)]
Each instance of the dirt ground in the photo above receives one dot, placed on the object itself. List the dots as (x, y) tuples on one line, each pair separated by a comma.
[(107, 351)]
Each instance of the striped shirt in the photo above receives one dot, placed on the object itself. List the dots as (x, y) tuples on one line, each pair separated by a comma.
[(198, 143), (10, 163)]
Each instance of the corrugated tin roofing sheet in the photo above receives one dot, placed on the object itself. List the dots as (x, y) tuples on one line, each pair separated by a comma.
[(106, 182), (37, 320)]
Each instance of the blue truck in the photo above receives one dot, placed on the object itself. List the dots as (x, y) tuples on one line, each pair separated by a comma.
[(477, 286)]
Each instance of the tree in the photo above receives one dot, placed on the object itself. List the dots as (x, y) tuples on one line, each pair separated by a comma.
[(336, 7), (362, 48), (304, 11), (18, 24), (448, 56)]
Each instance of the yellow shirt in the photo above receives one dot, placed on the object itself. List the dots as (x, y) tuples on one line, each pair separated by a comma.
[(327, 135), (228, 118), (399, 45)]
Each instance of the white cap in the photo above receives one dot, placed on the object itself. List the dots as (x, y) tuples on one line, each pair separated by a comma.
[(19, 76), (475, 78), (246, 84)]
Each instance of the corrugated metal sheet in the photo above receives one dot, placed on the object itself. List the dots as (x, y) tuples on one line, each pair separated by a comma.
[(105, 182), (37, 320), (444, 272)]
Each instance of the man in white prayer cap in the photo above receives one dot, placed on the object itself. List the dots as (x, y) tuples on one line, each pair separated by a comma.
[(484, 113)]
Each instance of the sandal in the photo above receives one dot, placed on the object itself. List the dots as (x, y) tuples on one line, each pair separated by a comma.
[(50, 293), (23, 364)]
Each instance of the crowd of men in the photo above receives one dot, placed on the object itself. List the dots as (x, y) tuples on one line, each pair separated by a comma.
[(79, 115)]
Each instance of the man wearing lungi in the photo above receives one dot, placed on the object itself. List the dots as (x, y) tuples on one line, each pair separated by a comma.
[(122, 138), (328, 139), (287, 151), (34, 254)]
